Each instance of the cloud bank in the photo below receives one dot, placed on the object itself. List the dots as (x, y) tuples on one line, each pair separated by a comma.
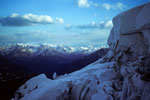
[(93, 25), (28, 20), (107, 6), (118, 5)]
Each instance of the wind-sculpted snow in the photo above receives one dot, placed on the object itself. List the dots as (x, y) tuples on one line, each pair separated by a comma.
[(81, 84), (131, 29), (122, 74)]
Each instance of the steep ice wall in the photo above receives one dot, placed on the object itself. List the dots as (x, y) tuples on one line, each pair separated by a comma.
[(123, 74), (131, 29), (129, 44)]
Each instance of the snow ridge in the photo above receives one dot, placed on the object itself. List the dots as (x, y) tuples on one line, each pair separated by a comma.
[(47, 49)]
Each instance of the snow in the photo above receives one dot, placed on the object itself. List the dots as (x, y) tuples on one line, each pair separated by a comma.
[(122, 74), (54, 75), (50, 49), (129, 28), (143, 19), (101, 96), (42, 87)]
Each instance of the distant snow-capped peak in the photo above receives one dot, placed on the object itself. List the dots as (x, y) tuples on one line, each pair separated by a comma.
[(47, 49)]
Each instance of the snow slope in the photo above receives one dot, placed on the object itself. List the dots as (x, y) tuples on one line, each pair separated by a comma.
[(122, 74), (58, 89)]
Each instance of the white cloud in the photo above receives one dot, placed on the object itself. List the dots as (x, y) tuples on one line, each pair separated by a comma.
[(14, 15), (102, 25), (38, 18), (107, 6), (83, 3), (116, 6), (94, 4), (120, 6), (59, 20), (28, 19), (109, 24)]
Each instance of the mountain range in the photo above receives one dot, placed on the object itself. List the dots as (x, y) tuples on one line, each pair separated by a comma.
[(122, 74), (51, 58), (20, 62)]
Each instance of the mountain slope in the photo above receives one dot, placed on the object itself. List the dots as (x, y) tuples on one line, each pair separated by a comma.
[(122, 74), (8, 66), (19, 63), (11, 76), (82, 62), (49, 58)]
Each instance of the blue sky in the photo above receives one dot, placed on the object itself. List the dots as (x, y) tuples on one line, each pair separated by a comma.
[(61, 22)]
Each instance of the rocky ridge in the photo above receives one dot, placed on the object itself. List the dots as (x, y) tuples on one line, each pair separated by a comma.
[(46, 49), (122, 74)]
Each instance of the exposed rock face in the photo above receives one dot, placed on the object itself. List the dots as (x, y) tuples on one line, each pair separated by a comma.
[(123, 74)]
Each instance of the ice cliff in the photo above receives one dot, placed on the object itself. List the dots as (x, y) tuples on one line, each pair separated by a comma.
[(122, 74)]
